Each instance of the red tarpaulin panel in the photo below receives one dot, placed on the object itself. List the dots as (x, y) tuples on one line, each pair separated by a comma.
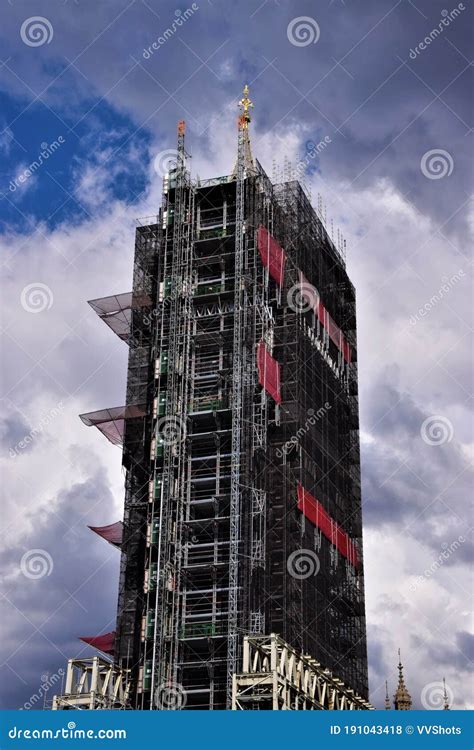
[(346, 351), (112, 533), (268, 372), (315, 513), (310, 296), (104, 643), (272, 255)]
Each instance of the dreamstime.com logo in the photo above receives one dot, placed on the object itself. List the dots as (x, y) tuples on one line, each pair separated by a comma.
[(435, 695), (47, 150), (447, 17), (67, 733), (165, 161), (302, 297), (170, 697), (180, 18), (36, 297), (35, 431), (302, 564), (445, 288), (36, 563), (171, 430), (448, 550), (311, 419), (47, 682), (312, 151), (436, 164), (437, 430), (36, 31), (303, 31)]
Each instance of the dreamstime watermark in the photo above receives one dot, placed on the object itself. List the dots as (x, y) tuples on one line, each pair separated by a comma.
[(302, 31), (36, 31), (302, 297), (448, 550), (447, 18), (47, 682), (171, 430), (446, 287), (170, 696), (156, 312), (311, 419), (312, 151), (302, 564), (47, 150), (436, 695), (36, 297), (176, 291), (436, 430), (35, 431), (66, 733), (180, 19), (165, 161), (436, 164), (36, 563)]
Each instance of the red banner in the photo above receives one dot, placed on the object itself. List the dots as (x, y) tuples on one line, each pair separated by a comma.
[(112, 533), (104, 643), (272, 255), (314, 512), (310, 294), (268, 372)]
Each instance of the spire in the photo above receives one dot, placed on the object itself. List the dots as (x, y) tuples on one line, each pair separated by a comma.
[(445, 695), (387, 699), (245, 105), (402, 698)]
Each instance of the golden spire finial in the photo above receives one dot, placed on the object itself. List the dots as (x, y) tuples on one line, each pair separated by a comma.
[(402, 698), (245, 104)]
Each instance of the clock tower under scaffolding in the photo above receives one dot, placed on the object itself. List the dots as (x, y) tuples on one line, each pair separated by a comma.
[(241, 581)]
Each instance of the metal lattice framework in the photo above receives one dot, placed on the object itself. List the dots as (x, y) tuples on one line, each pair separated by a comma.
[(93, 684), (170, 431), (276, 677)]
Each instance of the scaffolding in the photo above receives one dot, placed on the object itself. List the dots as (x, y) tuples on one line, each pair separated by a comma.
[(277, 678), (239, 398), (93, 684)]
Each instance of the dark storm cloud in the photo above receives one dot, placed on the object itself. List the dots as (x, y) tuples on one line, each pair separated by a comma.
[(382, 109), (458, 655), (405, 486), (43, 617)]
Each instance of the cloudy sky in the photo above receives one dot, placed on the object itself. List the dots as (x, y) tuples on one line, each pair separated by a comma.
[(85, 85)]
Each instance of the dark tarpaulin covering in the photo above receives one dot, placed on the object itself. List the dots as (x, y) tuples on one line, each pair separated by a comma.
[(104, 643), (272, 255), (268, 372), (116, 310), (111, 422), (315, 513), (112, 533)]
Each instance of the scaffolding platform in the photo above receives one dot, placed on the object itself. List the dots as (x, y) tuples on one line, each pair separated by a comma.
[(276, 678), (93, 684)]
